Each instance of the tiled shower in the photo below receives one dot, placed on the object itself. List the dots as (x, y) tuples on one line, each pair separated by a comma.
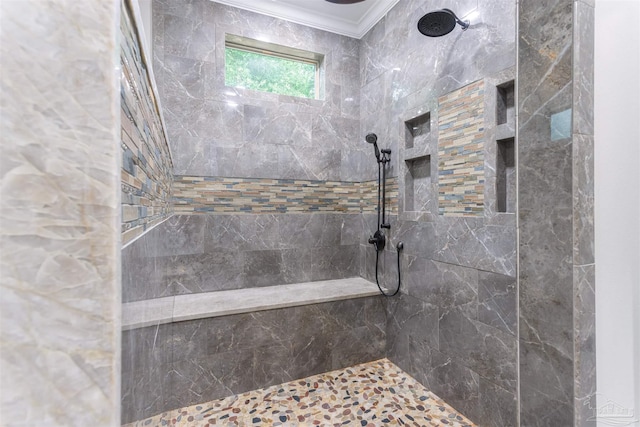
[(261, 190)]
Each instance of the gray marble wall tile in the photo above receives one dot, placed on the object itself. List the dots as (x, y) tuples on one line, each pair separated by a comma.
[(416, 359), (200, 338), (366, 268), (334, 262), (357, 345), (314, 162), (142, 393), (272, 364), (180, 235), (262, 268), (455, 384), (358, 165), (410, 318), (252, 160), (195, 155), (445, 285), (312, 354), (185, 363), (142, 275), (311, 230), (196, 380), (371, 56), (545, 295), (209, 272), (583, 199), (203, 118), (335, 132), (547, 381), (353, 229), (418, 238), (276, 126), (557, 414), (498, 406), (241, 232), (412, 270), (556, 212), (145, 353), (157, 32), (297, 265), (584, 345), (583, 63), (182, 76), (189, 38), (468, 242), (188, 9), (193, 253), (487, 351), (154, 342), (497, 301), (242, 131), (546, 47)]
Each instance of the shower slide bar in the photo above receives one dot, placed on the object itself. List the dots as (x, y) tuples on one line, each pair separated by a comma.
[(378, 240)]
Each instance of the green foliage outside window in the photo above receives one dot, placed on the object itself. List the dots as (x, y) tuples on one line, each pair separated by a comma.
[(269, 73)]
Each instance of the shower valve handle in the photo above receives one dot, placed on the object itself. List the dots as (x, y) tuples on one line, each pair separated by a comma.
[(378, 240)]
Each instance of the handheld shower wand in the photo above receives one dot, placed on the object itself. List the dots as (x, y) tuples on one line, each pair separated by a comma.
[(372, 138)]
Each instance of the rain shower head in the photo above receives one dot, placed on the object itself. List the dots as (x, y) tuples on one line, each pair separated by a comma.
[(440, 22), (344, 1)]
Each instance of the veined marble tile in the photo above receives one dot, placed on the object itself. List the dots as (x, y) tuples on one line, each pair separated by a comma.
[(60, 241)]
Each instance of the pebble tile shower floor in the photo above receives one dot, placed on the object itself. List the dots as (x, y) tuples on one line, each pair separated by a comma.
[(372, 394)]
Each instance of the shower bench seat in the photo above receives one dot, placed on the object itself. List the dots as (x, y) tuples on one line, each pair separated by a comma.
[(179, 308)]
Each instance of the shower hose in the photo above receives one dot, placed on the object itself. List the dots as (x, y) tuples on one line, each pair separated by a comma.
[(399, 247), (381, 205)]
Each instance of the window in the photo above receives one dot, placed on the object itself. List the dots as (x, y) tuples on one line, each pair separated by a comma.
[(268, 67)]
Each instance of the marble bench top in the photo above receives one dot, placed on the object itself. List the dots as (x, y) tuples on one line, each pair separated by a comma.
[(221, 303)]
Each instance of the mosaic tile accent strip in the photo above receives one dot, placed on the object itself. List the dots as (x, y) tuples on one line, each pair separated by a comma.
[(371, 394), (369, 196), (198, 195), (460, 151), (147, 170)]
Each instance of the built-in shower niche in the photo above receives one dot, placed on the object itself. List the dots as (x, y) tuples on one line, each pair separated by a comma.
[(417, 131), (505, 148), (505, 103), (417, 184), (505, 176)]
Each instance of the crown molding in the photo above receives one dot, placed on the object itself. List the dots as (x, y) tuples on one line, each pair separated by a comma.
[(317, 19)]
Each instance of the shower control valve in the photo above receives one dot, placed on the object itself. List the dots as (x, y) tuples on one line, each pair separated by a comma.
[(378, 240)]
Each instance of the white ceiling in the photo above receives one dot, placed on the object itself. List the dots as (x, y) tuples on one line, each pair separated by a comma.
[(353, 20)]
